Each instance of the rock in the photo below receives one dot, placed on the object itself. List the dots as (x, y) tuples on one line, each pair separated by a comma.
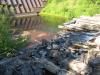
[(97, 42), (55, 46), (95, 64), (71, 22), (85, 23), (78, 66)]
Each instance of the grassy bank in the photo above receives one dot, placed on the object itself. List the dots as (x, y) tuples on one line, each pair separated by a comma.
[(8, 44), (71, 8)]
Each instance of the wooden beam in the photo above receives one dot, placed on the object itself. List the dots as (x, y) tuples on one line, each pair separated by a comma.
[(25, 15), (21, 7), (33, 3), (30, 5), (25, 6)]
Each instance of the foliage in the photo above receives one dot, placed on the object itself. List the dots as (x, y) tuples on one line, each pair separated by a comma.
[(72, 8), (7, 43), (53, 20)]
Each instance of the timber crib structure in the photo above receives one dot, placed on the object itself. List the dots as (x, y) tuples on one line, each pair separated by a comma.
[(21, 8)]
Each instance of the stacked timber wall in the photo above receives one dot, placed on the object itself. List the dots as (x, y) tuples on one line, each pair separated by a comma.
[(21, 7)]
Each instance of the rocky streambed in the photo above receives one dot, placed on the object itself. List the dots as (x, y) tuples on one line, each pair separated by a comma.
[(68, 53)]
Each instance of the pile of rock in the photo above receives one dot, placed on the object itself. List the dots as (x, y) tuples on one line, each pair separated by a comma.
[(67, 53), (84, 23), (60, 56)]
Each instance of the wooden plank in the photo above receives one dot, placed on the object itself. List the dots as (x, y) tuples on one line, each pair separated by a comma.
[(2, 2), (33, 3), (15, 5), (37, 3), (25, 6), (25, 14), (44, 0), (19, 1), (21, 7), (41, 3), (14, 2), (17, 10), (30, 5), (8, 2)]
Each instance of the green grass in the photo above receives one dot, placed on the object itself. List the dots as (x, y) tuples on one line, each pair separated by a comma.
[(7, 43), (72, 8)]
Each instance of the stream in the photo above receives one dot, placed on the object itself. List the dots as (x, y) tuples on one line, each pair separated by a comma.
[(38, 27)]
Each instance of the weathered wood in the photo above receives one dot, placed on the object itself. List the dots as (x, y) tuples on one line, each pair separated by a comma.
[(33, 3), (22, 9), (25, 6), (2, 2), (9, 2), (15, 5), (14, 2), (30, 5), (19, 1), (22, 6), (25, 14), (37, 3), (41, 3)]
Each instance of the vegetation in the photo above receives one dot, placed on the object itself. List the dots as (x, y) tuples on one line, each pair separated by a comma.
[(72, 8), (8, 43), (52, 20)]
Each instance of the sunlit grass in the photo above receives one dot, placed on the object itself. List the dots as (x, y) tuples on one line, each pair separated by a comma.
[(72, 8), (53, 20)]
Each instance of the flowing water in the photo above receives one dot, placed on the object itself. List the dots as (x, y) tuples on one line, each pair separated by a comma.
[(39, 27)]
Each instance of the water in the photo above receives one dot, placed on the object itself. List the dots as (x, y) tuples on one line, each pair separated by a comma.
[(79, 37), (39, 27)]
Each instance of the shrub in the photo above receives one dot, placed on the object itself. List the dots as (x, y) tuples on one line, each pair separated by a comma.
[(7, 43)]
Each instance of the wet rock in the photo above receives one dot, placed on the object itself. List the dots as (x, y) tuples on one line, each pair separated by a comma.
[(95, 64)]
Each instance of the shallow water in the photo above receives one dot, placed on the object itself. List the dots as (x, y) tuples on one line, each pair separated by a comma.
[(39, 27)]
